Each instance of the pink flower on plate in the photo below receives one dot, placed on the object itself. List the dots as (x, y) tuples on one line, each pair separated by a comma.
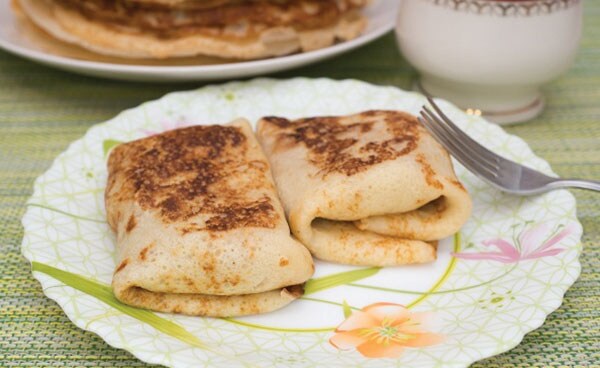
[(536, 242), (166, 126), (384, 330)]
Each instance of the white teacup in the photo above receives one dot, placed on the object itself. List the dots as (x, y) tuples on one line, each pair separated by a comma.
[(490, 57)]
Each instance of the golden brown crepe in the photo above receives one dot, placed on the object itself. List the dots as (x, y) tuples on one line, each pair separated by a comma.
[(367, 189), (199, 227), (248, 29)]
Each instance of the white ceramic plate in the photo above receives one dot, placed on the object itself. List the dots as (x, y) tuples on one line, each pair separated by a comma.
[(23, 39), (491, 284)]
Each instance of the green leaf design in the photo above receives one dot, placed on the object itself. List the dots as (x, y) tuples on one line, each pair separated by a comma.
[(347, 309), (109, 144), (66, 213), (342, 278), (104, 293)]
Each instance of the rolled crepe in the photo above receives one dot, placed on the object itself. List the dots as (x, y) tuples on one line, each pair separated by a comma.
[(199, 227), (368, 189)]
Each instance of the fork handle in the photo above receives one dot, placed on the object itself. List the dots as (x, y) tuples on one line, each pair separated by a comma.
[(576, 183)]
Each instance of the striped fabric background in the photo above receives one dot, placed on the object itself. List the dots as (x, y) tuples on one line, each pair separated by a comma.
[(42, 110)]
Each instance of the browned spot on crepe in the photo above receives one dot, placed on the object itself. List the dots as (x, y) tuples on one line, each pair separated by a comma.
[(122, 265), (283, 262), (334, 144), (189, 282), (241, 216), (428, 172), (249, 308), (458, 184), (207, 262), (192, 171), (130, 224), (233, 280), (144, 252)]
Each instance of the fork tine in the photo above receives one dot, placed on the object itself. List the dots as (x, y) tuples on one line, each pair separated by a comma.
[(430, 125), (462, 136), (490, 164), (465, 159), (455, 148)]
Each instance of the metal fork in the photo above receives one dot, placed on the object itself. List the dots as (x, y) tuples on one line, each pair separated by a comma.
[(504, 174)]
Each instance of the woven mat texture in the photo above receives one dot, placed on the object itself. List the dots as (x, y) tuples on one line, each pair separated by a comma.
[(42, 110)]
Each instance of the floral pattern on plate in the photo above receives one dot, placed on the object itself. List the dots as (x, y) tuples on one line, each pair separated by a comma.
[(384, 330), (531, 243)]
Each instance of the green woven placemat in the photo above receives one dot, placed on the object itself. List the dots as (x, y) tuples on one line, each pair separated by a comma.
[(42, 110)]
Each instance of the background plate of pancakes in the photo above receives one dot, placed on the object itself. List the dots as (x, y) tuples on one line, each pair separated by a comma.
[(187, 40)]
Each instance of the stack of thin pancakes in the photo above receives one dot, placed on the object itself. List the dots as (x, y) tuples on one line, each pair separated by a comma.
[(208, 222), (158, 29)]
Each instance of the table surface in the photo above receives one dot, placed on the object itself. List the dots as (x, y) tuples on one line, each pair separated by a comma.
[(42, 110)]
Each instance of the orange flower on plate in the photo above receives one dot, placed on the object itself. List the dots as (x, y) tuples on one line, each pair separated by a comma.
[(384, 330)]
